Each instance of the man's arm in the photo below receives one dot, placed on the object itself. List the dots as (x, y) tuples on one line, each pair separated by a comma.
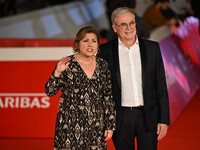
[(162, 95)]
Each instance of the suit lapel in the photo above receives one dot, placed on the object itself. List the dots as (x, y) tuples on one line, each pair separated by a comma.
[(115, 52), (143, 59)]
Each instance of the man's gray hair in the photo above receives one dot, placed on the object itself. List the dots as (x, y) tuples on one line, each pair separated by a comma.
[(119, 11)]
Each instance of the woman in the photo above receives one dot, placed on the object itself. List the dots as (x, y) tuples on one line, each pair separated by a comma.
[(86, 118)]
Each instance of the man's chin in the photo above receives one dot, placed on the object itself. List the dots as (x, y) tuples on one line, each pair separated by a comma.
[(131, 36)]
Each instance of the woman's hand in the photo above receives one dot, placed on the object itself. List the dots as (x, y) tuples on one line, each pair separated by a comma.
[(108, 134), (62, 65)]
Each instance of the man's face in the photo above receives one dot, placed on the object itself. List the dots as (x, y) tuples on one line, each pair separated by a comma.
[(125, 33)]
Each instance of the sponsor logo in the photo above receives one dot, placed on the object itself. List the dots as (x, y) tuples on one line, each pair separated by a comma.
[(24, 100)]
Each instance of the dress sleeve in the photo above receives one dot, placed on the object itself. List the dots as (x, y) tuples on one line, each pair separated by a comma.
[(108, 102), (53, 85)]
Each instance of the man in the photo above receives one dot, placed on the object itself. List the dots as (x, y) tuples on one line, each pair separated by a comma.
[(138, 85), (153, 16)]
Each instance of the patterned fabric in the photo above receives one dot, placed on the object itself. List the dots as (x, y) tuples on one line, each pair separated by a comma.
[(88, 107)]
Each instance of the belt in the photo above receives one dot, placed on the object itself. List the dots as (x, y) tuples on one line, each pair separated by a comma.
[(138, 108)]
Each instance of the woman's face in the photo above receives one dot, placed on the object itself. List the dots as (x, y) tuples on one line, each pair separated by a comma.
[(88, 45)]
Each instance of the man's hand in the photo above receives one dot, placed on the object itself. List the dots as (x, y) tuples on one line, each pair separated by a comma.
[(161, 130), (108, 134)]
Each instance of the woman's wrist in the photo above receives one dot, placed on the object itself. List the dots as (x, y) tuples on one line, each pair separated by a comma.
[(57, 73)]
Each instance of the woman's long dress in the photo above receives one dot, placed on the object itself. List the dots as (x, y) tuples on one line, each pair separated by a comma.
[(88, 107)]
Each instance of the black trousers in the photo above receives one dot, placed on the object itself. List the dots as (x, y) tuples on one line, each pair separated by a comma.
[(132, 124)]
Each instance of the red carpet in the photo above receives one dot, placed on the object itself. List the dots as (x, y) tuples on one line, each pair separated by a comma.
[(184, 134)]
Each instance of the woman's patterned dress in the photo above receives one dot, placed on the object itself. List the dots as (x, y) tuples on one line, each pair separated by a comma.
[(88, 107)]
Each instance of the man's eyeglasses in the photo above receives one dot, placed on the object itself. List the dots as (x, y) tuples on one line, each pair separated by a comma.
[(124, 26)]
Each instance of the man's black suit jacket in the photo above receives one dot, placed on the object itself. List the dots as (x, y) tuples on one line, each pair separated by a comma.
[(156, 103)]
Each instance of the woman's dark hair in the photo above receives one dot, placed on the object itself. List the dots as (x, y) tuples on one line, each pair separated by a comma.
[(81, 34)]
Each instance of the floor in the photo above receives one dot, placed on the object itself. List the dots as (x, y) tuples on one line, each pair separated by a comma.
[(184, 134)]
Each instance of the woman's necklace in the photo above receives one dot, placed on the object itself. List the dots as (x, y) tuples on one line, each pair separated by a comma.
[(84, 63)]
